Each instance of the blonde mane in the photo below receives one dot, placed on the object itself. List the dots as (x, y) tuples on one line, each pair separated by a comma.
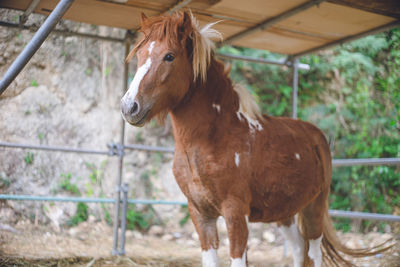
[(248, 107), (202, 47)]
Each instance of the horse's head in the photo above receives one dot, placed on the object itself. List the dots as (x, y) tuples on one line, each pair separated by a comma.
[(172, 54)]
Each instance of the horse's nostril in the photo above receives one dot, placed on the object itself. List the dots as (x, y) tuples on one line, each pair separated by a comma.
[(135, 108)]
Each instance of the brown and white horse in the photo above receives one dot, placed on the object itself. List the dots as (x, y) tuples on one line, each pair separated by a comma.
[(230, 160)]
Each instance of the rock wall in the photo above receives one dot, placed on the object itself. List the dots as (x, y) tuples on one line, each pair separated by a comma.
[(68, 95)]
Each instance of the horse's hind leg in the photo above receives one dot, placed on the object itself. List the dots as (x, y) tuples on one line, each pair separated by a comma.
[(312, 218), (206, 227), (292, 235)]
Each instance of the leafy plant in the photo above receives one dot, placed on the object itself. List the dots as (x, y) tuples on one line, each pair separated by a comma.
[(34, 83), (81, 214), (67, 185), (29, 158)]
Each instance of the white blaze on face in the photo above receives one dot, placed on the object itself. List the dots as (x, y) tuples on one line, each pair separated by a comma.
[(237, 159), (130, 95), (314, 252), (210, 258), (297, 156)]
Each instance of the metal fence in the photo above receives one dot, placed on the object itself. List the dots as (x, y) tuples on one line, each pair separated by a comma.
[(118, 149)]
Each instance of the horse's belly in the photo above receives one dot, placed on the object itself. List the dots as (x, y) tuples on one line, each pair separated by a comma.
[(280, 203)]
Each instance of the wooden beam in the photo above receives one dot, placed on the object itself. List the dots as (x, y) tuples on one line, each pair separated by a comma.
[(379, 29), (272, 21)]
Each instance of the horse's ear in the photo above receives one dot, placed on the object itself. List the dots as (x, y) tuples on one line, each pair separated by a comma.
[(143, 18), (185, 25)]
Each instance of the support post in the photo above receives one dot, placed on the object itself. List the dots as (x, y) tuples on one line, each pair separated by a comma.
[(34, 44), (124, 188), (120, 157), (295, 84)]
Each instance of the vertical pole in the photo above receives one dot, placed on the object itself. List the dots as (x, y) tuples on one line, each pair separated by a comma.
[(124, 188), (34, 44), (295, 84), (120, 158)]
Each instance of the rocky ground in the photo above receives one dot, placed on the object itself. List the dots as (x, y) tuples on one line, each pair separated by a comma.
[(90, 243)]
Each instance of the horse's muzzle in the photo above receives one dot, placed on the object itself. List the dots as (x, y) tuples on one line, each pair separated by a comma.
[(133, 113)]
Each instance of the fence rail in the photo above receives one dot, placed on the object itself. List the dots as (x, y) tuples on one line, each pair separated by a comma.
[(114, 147), (334, 213)]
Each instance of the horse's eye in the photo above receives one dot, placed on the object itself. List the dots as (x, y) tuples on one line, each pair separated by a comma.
[(169, 57)]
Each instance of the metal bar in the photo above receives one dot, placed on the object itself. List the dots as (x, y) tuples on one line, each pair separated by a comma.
[(56, 199), (120, 157), (282, 62), (379, 29), (34, 43), (23, 18), (54, 148), (156, 202), (272, 21), (149, 148), (295, 84), (334, 213), (177, 6), (364, 215), (366, 162), (123, 218), (34, 28)]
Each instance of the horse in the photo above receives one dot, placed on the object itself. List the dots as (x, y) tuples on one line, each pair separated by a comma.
[(230, 160)]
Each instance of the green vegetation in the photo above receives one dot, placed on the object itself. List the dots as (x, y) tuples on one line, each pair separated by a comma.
[(81, 214), (67, 185), (352, 93), (140, 220), (34, 83), (29, 158)]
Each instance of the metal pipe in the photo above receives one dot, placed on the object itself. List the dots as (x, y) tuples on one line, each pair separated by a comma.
[(366, 162), (351, 38), (34, 43), (282, 62), (34, 28), (334, 213), (124, 188), (56, 199), (295, 84), (23, 18), (149, 148), (364, 215), (120, 157), (54, 148), (272, 21)]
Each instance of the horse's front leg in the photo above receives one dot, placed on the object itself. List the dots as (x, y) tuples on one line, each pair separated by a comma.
[(206, 227), (237, 226)]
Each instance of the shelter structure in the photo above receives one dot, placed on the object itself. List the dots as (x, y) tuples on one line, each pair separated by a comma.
[(290, 27)]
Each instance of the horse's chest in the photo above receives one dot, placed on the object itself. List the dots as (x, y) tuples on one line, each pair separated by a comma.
[(195, 181)]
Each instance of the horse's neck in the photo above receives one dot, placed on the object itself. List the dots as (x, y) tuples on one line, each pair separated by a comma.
[(209, 106)]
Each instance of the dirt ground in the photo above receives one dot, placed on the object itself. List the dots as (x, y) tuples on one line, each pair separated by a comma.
[(89, 245)]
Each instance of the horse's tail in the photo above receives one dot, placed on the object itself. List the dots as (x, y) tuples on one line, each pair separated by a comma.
[(333, 249)]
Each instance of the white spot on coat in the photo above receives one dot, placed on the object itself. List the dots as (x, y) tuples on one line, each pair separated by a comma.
[(210, 258), (239, 262), (217, 107), (297, 156), (237, 159), (314, 252), (296, 243), (130, 95), (253, 123)]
